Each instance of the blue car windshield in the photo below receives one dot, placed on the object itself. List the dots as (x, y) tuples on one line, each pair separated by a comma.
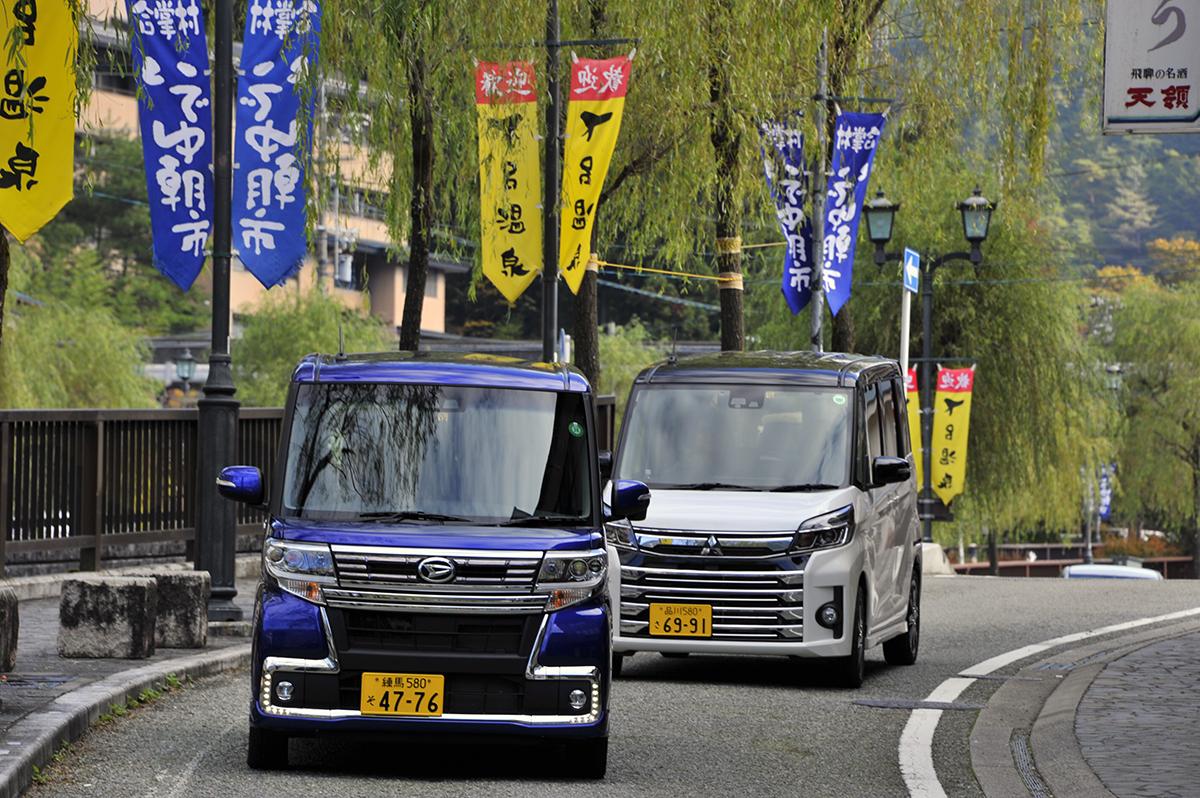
[(396, 452), (752, 437)]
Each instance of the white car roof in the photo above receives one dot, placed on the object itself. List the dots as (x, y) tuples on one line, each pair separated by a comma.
[(1104, 571)]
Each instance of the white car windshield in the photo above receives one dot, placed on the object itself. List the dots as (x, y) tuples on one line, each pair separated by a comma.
[(731, 437)]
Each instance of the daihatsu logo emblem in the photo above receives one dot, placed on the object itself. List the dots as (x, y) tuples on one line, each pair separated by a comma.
[(436, 569)]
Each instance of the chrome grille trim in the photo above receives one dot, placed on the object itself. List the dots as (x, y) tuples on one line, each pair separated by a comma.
[(747, 604), (380, 568), (433, 601)]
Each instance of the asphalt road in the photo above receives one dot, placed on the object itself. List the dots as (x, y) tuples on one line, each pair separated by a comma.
[(696, 726)]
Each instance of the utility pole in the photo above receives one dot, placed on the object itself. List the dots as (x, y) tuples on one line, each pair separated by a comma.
[(323, 281), (550, 191), (817, 303), (216, 531)]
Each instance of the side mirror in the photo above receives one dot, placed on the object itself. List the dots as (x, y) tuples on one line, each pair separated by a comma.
[(630, 500), (241, 484), (606, 465), (890, 470)]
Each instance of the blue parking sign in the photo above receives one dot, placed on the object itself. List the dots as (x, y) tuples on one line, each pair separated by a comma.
[(912, 270)]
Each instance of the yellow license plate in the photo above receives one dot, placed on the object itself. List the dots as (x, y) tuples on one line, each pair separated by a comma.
[(681, 620), (402, 694)]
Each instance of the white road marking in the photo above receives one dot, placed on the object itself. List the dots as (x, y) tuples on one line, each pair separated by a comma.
[(916, 741)]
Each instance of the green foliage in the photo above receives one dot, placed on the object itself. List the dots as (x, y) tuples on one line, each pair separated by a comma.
[(71, 351), (1157, 339), (286, 327), (622, 355)]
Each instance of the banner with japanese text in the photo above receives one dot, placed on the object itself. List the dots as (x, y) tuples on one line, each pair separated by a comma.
[(787, 181), (1151, 66), (951, 426), (170, 60), (913, 397), (270, 194), (594, 110), (37, 113), (510, 176), (856, 136)]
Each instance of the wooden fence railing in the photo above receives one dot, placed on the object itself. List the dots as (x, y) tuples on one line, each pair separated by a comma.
[(89, 480)]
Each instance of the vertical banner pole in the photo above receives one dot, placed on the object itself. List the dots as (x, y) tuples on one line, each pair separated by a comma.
[(216, 534), (905, 325), (818, 290), (551, 198)]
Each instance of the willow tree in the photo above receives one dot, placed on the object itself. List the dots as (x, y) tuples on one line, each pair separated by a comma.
[(404, 67)]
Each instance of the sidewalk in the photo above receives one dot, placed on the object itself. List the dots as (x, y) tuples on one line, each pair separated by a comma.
[(47, 699), (1138, 724)]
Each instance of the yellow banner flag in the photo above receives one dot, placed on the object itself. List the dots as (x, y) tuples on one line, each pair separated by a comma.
[(951, 425), (597, 101), (37, 113), (510, 176), (914, 425)]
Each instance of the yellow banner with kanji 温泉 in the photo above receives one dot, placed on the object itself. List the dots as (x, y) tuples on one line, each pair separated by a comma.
[(951, 425), (914, 424), (37, 113), (510, 176), (597, 101)]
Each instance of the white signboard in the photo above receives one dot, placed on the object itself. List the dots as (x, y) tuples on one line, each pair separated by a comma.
[(1152, 66)]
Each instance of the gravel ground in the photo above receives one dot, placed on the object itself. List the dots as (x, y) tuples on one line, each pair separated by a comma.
[(700, 726)]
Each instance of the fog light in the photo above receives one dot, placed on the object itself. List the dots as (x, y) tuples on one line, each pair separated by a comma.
[(577, 699), (284, 691), (828, 616)]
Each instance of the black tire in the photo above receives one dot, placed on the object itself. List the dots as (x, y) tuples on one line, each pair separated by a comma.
[(618, 665), (852, 669), (266, 750), (902, 649), (587, 759)]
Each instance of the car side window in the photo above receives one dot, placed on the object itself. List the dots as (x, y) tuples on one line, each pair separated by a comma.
[(871, 397), (887, 401), (902, 442)]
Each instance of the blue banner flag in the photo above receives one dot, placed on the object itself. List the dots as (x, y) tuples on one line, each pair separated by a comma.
[(1105, 508), (787, 181), (270, 170), (170, 60), (855, 139)]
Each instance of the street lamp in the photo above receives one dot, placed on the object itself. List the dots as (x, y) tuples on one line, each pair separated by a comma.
[(976, 211), (185, 367)]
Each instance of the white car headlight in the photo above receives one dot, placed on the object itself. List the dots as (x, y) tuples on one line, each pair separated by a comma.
[(826, 531)]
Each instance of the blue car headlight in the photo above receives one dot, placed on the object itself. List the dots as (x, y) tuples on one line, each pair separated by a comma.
[(299, 568), (570, 577)]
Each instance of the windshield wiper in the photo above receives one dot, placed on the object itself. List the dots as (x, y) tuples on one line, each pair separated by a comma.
[(802, 488), (410, 515), (541, 519), (706, 486)]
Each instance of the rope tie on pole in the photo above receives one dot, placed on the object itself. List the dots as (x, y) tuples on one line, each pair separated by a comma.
[(729, 246), (730, 281), (593, 264)]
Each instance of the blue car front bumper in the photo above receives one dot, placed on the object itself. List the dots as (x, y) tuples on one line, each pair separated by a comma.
[(513, 678)]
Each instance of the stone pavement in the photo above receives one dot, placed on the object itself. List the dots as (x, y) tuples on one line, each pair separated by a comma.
[(1138, 725), (41, 675)]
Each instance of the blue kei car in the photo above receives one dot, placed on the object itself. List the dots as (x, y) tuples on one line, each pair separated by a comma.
[(434, 560)]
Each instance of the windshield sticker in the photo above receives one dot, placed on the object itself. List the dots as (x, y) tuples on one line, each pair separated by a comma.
[(576, 429), (838, 399)]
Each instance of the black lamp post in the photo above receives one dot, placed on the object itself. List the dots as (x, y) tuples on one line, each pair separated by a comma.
[(976, 212), (216, 531)]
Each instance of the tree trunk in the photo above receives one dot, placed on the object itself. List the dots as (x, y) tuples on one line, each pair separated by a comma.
[(727, 143), (1195, 510), (993, 553), (586, 332), (5, 259), (421, 115)]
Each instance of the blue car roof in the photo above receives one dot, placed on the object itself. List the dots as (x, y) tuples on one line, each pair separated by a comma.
[(770, 368), (441, 368)]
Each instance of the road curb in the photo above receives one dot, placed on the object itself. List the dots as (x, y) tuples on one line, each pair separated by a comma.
[(33, 740), (1034, 711)]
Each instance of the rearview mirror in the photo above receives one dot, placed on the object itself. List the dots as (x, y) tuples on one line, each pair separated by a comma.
[(890, 470), (241, 484), (630, 500)]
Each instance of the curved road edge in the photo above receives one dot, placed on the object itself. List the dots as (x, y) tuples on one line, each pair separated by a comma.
[(39, 735), (916, 740)]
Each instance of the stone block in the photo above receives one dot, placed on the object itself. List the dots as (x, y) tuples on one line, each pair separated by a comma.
[(107, 616), (182, 609), (10, 623)]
